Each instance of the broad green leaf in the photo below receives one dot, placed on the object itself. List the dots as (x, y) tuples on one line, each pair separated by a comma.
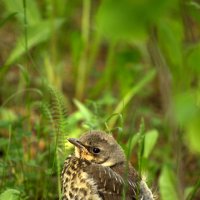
[(10, 194), (192, 134), (171, 34), (130, 19), (185, 107), (167, 184), (150, 141), (193, 60), (119, 20), (83, 110), (36, 35), (32, 11), (74, 118), (7, 115), (187, 114)]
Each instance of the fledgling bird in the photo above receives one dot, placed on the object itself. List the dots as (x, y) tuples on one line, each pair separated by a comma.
[(98, 170)]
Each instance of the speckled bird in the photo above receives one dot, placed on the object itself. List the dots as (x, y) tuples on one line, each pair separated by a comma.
[(98, 170)]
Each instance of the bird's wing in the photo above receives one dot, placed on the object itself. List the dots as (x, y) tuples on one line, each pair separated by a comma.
[(111, 185)]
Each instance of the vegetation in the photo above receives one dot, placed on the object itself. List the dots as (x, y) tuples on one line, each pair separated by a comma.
[(128, 67)]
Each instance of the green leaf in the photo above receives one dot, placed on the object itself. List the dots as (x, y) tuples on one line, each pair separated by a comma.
[(188, 191), (193, 60), (167, 184), (185, 106), (7, 18), (171, 35), (118, 20), (83, 110), (7, 115), (187, 114), (150, 141), (32, 10), (10, 194), (25, 74), (131, 144), (36, 34), (130, 19), (191, 192), (192, 134), (131, 93)]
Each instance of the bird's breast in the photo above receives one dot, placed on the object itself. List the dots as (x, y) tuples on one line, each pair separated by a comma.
[(77, 184)]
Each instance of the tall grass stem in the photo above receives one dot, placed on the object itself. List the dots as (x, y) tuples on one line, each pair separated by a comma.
[(83, 63)]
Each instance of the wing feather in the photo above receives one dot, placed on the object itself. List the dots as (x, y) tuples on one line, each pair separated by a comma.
[(110, 184)]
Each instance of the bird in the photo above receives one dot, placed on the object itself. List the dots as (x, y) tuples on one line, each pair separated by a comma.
[(99, 170)]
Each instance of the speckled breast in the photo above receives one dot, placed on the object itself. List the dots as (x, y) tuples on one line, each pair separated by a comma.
[(76, 184)]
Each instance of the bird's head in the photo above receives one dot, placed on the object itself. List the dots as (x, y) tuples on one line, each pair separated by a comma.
[(98, 147)]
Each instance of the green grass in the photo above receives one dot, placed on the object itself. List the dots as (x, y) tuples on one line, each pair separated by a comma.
[(71, 66)]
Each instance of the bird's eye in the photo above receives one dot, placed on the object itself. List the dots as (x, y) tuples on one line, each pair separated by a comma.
[(95, 150)]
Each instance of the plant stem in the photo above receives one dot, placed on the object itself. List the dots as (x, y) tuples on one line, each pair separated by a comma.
[(52, 67), (58, 173), (86, 21), (106, 79), (6, 158), (82, 68), (25, 27)]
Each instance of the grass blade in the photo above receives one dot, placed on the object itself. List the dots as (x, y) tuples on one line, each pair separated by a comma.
[(133, 91)]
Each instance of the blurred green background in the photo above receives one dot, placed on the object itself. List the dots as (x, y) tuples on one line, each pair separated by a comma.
[(127, 67)]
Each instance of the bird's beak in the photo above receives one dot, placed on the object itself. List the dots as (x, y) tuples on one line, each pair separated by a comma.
[(76, 143), (81, 150)]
